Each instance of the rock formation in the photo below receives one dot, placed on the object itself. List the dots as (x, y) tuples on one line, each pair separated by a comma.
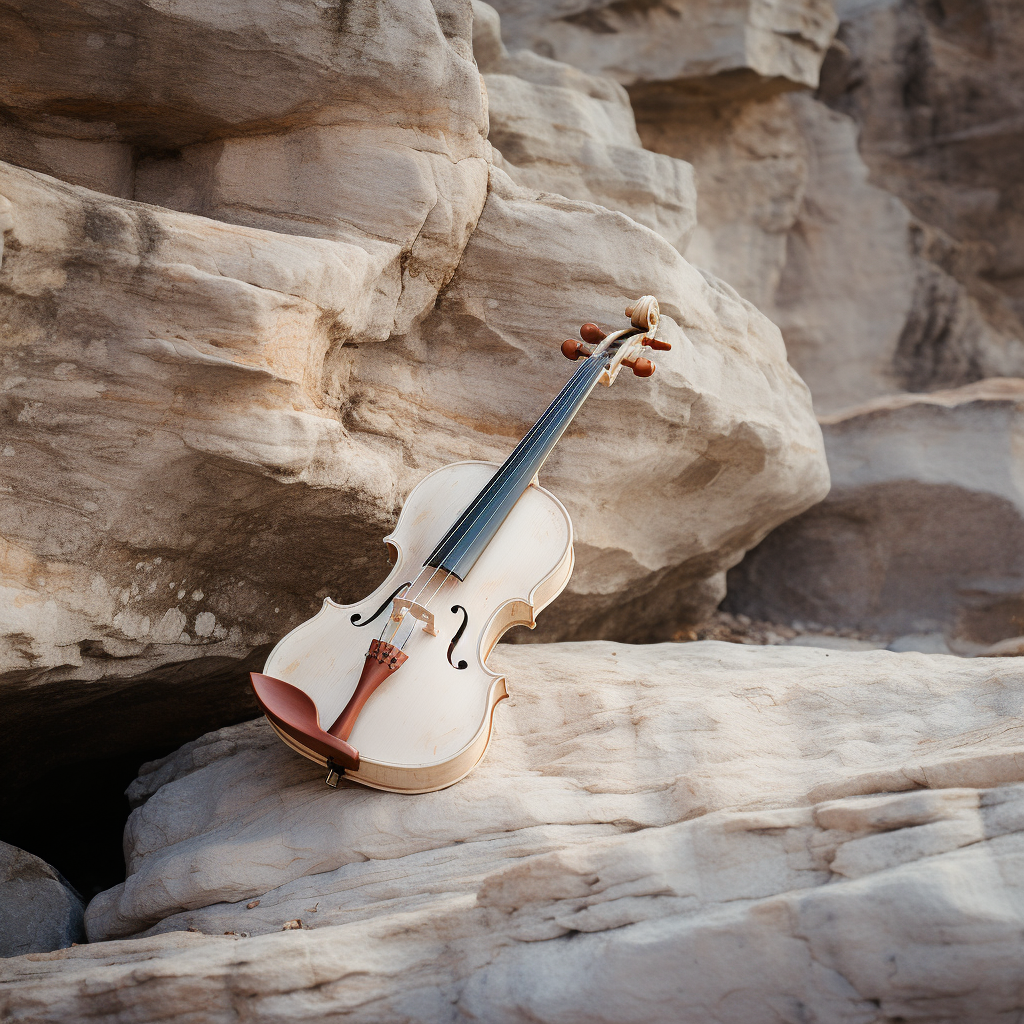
[(658, 833), (923, 531), (39, 910), (262, 267), (243, 322)]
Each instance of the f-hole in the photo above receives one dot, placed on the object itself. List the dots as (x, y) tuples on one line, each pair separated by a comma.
[(355, 618), (458, 636)]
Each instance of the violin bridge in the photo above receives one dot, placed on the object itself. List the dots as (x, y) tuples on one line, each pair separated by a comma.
[(403, 606)]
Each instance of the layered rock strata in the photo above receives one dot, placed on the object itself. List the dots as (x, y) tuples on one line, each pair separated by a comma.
[(923, 531), (661, 833), (241, 324)]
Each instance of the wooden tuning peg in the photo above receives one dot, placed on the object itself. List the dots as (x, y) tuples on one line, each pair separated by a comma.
[(572, 349), (657, 343), (640, 366)]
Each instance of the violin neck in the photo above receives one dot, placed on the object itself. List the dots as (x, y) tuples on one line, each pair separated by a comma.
[(463, 544)]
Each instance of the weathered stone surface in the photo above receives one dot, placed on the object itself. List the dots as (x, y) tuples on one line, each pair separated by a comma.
[(217, 398), (561, 130), (856, 283), (675, 832), (752, 165), (937, 90), (676, 40), (923, 531), (39, 910)]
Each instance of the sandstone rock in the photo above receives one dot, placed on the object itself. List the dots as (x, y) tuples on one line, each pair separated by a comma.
[(561, 130), (751, 162), (787, 215), (864, 305), (938, 93), (39, 910), (677, 40), (217, 398), (923, 530), (663, 833)]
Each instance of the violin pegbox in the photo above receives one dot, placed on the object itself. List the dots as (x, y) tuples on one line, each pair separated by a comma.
[(644, 317)]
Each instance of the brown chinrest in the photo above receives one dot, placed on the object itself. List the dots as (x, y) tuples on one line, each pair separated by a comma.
[(294, 712)]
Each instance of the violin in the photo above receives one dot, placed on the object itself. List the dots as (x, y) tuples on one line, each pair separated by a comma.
[(478, 548)]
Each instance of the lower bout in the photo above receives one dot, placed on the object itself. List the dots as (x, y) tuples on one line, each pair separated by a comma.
[(413, 778)]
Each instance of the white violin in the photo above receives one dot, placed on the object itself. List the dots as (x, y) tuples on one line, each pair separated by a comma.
[(394, 691)]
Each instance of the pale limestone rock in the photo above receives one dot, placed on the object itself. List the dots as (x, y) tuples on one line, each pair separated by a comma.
[(845, 290), (938, 93), (787, 215), (678, 40), (39, 910), (751, 162), (923, 531), (219, 397), (561, 130), (665, 833)]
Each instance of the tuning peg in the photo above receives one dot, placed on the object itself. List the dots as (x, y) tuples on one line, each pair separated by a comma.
[(640, 366), (592, 333), (572, 349), (657, 343)]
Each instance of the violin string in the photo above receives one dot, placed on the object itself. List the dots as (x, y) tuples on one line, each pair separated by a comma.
[(573, 390), (556, 407), (502, 494), (576, 387)]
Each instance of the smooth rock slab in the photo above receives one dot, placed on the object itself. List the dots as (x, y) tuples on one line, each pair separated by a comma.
[(699, 832)]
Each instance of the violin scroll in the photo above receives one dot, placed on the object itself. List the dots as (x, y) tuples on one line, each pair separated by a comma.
[(644, 315)]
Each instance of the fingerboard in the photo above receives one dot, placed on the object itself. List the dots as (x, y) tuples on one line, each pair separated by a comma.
[(463, 544)]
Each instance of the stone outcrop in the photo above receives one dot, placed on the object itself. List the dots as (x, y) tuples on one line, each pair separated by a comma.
[(663, 833), (923, 531), (557, 129), (240, 331), (39, 910), (823, 211), (691, 46), (937, 90)]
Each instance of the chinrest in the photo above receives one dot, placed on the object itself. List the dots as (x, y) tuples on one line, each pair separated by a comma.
[(294, 713)]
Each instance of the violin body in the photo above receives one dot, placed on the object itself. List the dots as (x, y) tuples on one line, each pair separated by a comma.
[(426, 725), (394, 691)]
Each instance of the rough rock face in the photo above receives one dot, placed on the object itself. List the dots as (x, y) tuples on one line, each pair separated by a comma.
[(663, 833), (719, 45), (923, 531), (938, 92), (235, 341), (875, 291), (39, 910), (558, 129)]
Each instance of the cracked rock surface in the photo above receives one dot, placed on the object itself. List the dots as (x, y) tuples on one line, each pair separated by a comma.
[(696, 832), (240, 324)]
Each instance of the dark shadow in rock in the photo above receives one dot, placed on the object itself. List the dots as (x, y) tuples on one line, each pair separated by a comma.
[(892, 558), (66, 763)]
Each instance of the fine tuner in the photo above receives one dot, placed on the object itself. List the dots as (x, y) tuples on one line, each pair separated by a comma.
[(478, 548)]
